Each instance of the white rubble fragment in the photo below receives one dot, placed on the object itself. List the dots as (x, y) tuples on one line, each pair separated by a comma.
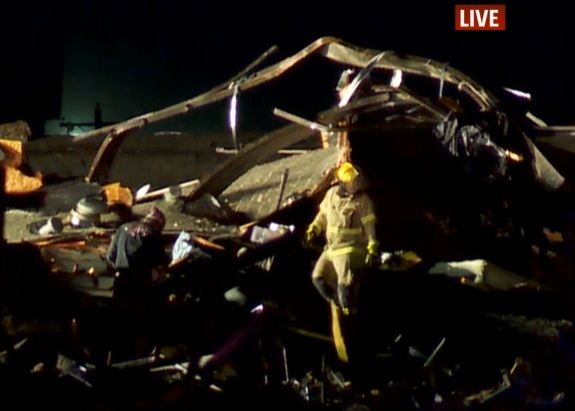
[(481, 272)]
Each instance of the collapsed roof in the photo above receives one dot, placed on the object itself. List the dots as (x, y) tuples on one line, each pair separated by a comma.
[(451, 180)]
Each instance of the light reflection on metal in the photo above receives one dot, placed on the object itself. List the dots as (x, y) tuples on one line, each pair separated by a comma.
[(234, 113), (181, 368), (359, 78), (257, 309), (69, 367), (442, 80), (518, 93), (344, 80), (396, 79), (134, 363), (434, 353), (285, 363), (19, 344)]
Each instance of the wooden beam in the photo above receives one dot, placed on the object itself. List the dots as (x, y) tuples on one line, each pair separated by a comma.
[(287, 151), (153, 195), (100, 168), (215, 94), (249, 156), (330, 47)]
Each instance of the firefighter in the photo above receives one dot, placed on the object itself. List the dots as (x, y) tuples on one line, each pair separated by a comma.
[(346, 215), (135, 251)]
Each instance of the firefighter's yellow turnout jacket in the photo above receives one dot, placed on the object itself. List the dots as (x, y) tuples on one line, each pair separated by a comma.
[(348, 221)]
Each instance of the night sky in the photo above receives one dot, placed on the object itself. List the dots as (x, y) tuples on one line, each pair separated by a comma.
[(60, 58)]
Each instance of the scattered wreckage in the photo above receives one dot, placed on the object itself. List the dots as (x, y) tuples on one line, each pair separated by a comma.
[(471, 306)]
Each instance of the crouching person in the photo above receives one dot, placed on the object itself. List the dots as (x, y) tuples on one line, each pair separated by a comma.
[(135, 253)]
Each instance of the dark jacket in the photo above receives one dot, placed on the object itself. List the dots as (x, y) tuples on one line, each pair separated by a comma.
[(136, 246)]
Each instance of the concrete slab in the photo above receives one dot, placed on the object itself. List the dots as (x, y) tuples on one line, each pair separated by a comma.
[(256, 192)]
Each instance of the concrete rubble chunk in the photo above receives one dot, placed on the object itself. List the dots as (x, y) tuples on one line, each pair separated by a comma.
[(482, 272), (173, 194)]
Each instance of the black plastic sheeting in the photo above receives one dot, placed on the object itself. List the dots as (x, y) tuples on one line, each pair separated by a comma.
[(471, 143)]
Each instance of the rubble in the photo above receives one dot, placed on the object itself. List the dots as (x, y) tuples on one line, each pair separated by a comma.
[(19, 183), (46, 227), (256, 192), (181, 189), (12, 153), (471, 303), (88, 212), (64, 196), (19, 177), (209, 207), (16, 131), (116, 194), (483, 273)]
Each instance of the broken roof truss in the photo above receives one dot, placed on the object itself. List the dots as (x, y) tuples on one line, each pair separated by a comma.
[(331, 48)]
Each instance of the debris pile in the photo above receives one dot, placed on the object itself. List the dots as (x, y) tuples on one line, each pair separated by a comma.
[(19, 177), (468, 306)]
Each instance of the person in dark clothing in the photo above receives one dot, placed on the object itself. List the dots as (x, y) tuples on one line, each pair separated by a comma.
[(135, 251), (127, 327)]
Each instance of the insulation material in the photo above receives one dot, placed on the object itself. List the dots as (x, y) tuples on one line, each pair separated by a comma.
[(19, 183), (115, 193), (12, 150)]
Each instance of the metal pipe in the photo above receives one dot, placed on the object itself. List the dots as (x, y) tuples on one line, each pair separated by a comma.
[(282, 188), (434, 353), (284, 357)]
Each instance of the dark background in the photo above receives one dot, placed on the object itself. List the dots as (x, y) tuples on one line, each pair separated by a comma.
[(58, 58)]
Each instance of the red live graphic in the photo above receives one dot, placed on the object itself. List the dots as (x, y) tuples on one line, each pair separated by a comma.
[(480, 17)]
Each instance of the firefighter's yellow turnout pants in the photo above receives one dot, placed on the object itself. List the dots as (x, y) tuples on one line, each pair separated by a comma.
[(334, 273)]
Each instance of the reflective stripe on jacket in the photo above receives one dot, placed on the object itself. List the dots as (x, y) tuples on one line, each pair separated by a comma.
[(348, 221)]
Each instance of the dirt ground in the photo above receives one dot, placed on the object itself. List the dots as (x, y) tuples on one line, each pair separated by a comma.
[(158, 159)]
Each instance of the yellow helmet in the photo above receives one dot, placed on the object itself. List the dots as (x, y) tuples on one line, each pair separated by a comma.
[(346, 173)]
